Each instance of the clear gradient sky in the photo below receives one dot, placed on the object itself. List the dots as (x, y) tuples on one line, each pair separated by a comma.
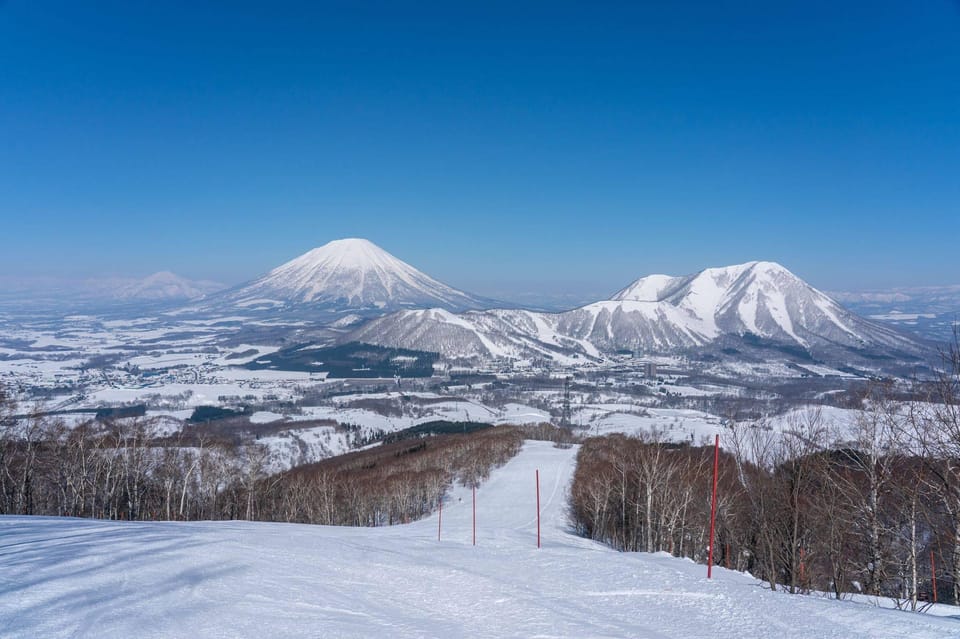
[(495, 145)]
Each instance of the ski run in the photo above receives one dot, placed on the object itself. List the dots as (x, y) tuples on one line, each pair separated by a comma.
[(90, 578)]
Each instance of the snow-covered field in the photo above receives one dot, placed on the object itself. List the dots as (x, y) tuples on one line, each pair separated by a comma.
[(84, 578)]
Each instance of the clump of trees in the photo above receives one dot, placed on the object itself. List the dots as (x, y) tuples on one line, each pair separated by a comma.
[(127, 469), (804, 508), (640, 494), (123, 469), (560, 436), (393, 483)]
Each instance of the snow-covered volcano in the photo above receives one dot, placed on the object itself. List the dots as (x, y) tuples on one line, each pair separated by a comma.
[(758, 304), (351, 275)]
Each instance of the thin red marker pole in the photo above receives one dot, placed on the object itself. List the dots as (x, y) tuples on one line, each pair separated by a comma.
[(933, 574), (474, 515), (713, 504), (440, 518), (538, 508)]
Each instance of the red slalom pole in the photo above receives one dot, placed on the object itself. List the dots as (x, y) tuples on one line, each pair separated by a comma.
[(440, 518), (713, 504), (474, 515), (933, 574), (538, 508)]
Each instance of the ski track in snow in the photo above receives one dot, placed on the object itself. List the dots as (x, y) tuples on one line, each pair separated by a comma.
[(89, 578)]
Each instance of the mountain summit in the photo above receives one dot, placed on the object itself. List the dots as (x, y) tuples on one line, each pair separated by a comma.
[(351, 275)]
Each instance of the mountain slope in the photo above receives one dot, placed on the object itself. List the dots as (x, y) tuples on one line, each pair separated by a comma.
[(745, 306), (349, 275), (494, 334)]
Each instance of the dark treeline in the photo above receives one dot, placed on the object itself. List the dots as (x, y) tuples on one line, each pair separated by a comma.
[(128, 469)]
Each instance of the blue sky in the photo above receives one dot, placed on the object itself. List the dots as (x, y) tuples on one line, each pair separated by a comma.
[(499, 146)]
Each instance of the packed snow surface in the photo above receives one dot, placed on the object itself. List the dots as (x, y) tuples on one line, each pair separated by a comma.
[(87, 578)]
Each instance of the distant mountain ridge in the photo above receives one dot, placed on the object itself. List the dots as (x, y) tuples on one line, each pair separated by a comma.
[(736, 307), (934, 298), (932, 312), (354, 290), (163, 287)]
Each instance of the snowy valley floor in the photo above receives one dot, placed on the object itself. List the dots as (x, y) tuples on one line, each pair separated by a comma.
[(87, 578)]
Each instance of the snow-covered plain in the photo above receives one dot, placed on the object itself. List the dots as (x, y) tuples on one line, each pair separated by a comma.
[(86, 578)]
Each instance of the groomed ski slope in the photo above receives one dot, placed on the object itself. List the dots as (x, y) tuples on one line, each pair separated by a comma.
[(86, 578)]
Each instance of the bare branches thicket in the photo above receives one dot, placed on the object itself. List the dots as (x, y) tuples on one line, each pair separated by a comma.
[(389, 484), (641, 495), (802, 507)]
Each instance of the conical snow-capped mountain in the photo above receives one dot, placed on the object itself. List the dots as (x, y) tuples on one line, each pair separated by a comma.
[(746, 306), (350, 275)]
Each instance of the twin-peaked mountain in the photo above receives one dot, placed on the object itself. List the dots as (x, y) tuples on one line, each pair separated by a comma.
[(758, 298), (734, 309)]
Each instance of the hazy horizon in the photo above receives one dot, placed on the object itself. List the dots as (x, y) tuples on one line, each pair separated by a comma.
[(557, 293)]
